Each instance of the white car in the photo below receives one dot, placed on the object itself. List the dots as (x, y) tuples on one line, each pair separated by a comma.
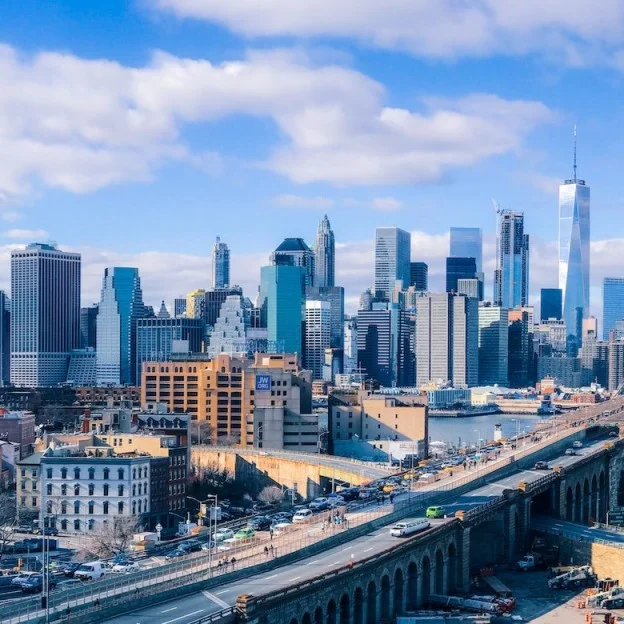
[(222, 534), (304, 515), (125, 568)]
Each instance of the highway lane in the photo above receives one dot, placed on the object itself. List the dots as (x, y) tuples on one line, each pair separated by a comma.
[(578, 531)]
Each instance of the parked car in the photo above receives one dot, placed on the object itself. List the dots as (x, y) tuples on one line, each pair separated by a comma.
[(304, 515), (222, 534), (22, 577), (46, 531), (34, 584), (246, 533), (24, 528), (436, 511), (125, 568), (69, 568), (90, 571), (319, 504), (260, 523), (541, 465)]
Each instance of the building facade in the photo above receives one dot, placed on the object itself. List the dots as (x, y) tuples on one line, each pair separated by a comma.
[(374, 345), (220, 265), (392, 260), (511, 276), (295, 252), (493, 346), (613, 304), (419, 275), (334, 296), (325, 255), (45, 314), (550, 304), (317, 335), (88, 327), (467, 242), (458, 268), (5, 339)]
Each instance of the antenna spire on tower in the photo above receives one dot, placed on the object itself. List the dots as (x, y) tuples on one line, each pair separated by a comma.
[(574, 153)]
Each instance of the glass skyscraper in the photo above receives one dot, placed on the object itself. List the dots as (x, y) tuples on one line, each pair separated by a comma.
[(282, 294), (550, 304), (466, 242), (45, 314), (295, 251), (613, 304), (574, 250), (419, 275), (392, 260), (511, 276), (459, 268), (325, 252), (120, 307), (220, 265)]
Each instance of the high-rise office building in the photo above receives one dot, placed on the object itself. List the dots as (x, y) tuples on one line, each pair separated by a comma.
[(230, 331), (196, 304), (214, 299), (447, 339), (179, 307), (374, 344), (157, 338), (574, 222), (419, 275), (5, 339), (521, 366), (550, 304), (295, 251), (613, 304), (325, 255), (317, 335), (511, 276), (616, 363), (334, 295), (493, 345), (392, 260), (283, 297), (471, 287), (220, 265), (466, 242), (88, 327), (459, 268), (120, 307), (350, 345), (45, 314)]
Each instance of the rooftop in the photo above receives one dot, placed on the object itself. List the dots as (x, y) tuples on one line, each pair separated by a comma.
[(293, 244)]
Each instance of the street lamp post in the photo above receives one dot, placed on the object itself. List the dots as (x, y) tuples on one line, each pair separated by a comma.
[(159, 528), (478, 432)]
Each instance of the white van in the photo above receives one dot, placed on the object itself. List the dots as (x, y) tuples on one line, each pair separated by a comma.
[(577, 444), (408, 527), (303, 515), (90, 571)]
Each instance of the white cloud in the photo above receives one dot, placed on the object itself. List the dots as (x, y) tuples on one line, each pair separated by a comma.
[(573, 32), (387, 204), (81, 125), (299, 201), (545, 184), (29, 235), (11, 216)]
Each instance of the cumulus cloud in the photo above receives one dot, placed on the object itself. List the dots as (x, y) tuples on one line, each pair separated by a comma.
[(568, 31), (299, 201), (81, 125), (387, 204), (22, 234)]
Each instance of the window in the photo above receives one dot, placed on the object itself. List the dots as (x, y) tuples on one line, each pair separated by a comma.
[(64, 489), (134, 490), (77, 507), (91, 524), (49, 507), (63, 525), (23, 501), (23, 472), (105, 508), (120, 507), (64, 507), (77, 489), (140, 489), (34, 473), (120, 490), (34, 501), (91, 473), (34, 485), (91, 489), (105, 488), (134, 508), (49, 489), (49, 473), (76, 473), (91, 507), (23, 485), (63, 473), (134, 473), (139, 506), (76, 525), (106, 473), (121, 474)]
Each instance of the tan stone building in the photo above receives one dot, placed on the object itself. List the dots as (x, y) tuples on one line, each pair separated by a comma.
[(224, 393)]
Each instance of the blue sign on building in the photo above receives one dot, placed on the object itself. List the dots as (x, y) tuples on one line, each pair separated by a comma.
[(263, 383)]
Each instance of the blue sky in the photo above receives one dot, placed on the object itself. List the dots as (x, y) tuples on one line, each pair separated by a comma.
[(137, 131)]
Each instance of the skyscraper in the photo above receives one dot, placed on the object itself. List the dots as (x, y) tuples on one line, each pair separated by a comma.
[(334, 295), (230, 330), (550, 304), (317, 335), (5, 339), (574, 222), (220, 265), (447, 339), (179, 307), (283, 296), (325, 254), (120, 307), (466, 242), (214, 299), (392, 260), (419, 275), (88, 327), (196, 304), (520, 342), (459, 268), (511, 276), (295, 251), (374, 340), (613, 304), (493, 345), (45, 319)]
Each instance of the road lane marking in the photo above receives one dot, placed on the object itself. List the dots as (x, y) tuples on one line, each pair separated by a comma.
[(329, 565), (221, 592), (167, 610), (186, 615), (272, 576), (368, 549), (347, 548), (221, 603), (294, 578), (312, 562)]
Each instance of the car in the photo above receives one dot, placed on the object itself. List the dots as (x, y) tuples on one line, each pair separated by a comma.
[(409, 527), (69, 568), (175, 554), (541, 465), (68, 583), (192, 545), (24, 528), (125, 568), (304, 515), (22, 577), (281, 525), (46, 531), (260, 523), (246, 533), (577, 444), (318, 504), (208, 546), (34, 584), (571, 451), (220, 535), (435, 511)]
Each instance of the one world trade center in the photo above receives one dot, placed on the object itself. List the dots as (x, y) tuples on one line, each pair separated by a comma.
[(574, 251)]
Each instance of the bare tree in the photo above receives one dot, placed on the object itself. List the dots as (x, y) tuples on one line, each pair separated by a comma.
[(201, 432), (270, 494), (8, 519), (113, 537)]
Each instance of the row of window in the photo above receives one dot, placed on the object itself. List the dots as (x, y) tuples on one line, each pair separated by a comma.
[(139, 506), (142, 489), (142, 473)]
